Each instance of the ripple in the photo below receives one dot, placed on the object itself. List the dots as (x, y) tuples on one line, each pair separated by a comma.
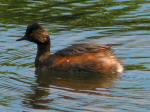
[(122, 23)]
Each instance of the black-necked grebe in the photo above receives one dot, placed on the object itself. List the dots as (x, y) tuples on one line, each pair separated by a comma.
[(78, 57)]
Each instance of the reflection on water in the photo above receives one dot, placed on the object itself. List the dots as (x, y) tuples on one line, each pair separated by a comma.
[(83, 83), (122, 23)]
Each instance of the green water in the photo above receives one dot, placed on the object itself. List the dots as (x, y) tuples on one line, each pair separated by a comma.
[(123, 23)]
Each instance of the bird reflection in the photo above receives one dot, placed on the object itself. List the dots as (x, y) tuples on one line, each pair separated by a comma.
[(74, 82)]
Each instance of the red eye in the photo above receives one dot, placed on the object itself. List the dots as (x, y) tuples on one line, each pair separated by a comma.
[(31, 34)]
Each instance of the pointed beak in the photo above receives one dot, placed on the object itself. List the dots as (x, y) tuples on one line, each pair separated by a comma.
[(22, 38)]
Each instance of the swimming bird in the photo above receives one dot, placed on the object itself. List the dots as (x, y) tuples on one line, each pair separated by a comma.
[(77, 57)]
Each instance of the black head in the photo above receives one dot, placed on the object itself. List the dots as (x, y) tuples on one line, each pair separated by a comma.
[(35, 33)]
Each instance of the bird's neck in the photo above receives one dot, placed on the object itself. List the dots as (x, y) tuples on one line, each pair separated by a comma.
[(43, 53)]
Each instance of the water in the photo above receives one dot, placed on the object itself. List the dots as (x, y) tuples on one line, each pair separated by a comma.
[(124, 23)]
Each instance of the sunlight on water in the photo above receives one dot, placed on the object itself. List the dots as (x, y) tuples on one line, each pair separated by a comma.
[(123, 23)]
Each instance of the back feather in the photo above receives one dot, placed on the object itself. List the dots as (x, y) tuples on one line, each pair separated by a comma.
[(78, 49)]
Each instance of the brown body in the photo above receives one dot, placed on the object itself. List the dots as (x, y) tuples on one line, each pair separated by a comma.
[(88, 62), (94, 58), (78, 57)]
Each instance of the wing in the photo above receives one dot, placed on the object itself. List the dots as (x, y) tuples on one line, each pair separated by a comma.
[(79, 49)]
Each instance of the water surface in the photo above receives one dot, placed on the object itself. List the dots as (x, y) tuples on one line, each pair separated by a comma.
[(123, 23)]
